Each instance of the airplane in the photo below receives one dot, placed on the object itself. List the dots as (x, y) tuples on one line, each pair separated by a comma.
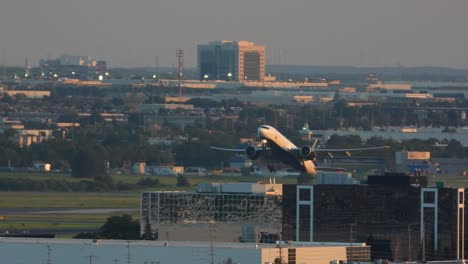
[(280, 148)]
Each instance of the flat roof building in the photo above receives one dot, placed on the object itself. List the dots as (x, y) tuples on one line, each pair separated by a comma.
[(75, 67), (77, 251), (231, 61)]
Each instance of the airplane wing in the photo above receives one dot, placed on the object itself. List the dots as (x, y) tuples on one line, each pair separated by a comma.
[(306, 151), (349, 149), (240, 150)]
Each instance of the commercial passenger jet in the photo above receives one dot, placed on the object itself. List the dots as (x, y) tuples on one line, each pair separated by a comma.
[(278, 147)]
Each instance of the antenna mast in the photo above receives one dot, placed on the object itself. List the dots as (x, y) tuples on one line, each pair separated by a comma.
[(180, 56)]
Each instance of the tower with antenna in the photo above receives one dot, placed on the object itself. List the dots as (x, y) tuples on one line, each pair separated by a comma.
[(180, 57), (27, 69)]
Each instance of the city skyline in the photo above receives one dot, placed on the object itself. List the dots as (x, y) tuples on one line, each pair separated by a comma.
[(362, 33)]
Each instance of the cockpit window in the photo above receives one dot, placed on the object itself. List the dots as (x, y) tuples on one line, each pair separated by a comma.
[(265, 127)]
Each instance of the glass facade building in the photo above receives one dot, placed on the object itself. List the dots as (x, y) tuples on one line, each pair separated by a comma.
[(204, 216), (231, 61)]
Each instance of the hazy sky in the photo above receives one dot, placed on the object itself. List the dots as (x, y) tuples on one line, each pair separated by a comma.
[(302, 32)]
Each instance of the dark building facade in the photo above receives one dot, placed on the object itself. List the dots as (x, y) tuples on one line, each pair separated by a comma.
[(399, 222)]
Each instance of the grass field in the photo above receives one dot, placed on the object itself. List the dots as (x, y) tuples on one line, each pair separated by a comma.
[(40, 200), (23, 207), (17, 204)]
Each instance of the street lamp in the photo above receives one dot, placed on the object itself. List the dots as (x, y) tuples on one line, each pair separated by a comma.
[(229, 75), (205, 77)]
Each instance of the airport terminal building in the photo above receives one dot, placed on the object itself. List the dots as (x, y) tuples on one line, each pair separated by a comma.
[(396, 215)]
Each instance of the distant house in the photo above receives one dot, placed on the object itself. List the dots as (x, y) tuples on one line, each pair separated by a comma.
[(41, 166), (27, 137), (168, 170)]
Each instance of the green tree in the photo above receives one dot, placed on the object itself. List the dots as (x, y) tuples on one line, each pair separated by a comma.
[(278, 261), (148, 233), (196, 153), (349, 141), (120, 227), (87, 235), (116, 227), (455, 149), (90, 162), (182, 181), (148, 182)]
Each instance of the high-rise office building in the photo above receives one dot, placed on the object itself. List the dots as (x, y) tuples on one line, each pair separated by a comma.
[(231, 61)]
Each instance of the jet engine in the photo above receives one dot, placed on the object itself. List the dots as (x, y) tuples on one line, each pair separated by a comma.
[(308, 152), (252, 152)]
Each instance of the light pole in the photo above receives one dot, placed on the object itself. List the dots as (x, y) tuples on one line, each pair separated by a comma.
[(409, 240), (229, 75), (205, 77)]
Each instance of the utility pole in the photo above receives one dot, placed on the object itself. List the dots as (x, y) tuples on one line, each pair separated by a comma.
[(157, 64), (280, 246), (128, 252), (280, 249), (49, 255), (409, 242), (423, 244), (90, 259), (211, 245), (180, 56), (351, 243)]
